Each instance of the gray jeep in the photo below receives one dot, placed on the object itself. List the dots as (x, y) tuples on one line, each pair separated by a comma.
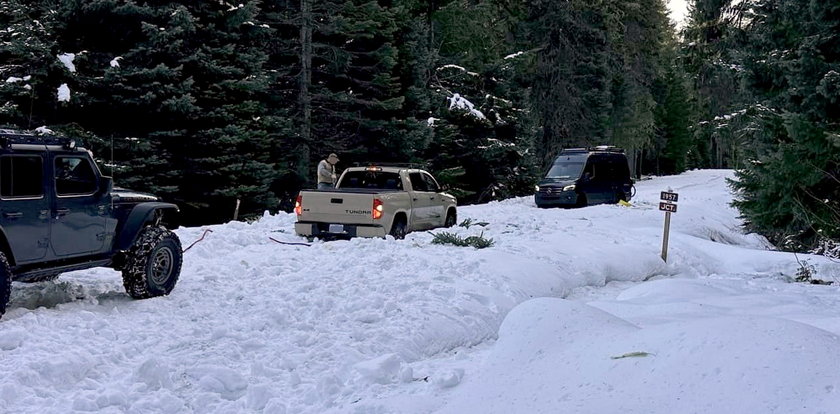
[(58, 213)]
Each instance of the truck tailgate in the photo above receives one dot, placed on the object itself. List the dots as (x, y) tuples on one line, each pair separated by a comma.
[(337, 207)]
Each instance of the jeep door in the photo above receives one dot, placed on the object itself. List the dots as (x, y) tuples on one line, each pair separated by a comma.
[(24, 206), (80, 212)]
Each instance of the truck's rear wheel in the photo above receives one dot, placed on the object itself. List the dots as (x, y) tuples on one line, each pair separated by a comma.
[(398, 229), (5, 283), (153, 263)]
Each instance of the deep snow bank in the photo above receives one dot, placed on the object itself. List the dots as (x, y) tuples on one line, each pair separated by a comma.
[(560, 356), (372, 325)]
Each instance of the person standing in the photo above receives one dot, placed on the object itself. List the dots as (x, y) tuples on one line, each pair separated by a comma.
[(326, 172)]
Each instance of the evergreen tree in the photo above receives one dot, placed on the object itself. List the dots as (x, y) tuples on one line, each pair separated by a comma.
[(29, 66), (790, 190), (571, 79), (482, 128), (185, 85)]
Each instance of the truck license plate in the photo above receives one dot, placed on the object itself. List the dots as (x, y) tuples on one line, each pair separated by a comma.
[(336, 228)]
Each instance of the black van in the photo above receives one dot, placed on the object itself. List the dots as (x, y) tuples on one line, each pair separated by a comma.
[(582, 177)]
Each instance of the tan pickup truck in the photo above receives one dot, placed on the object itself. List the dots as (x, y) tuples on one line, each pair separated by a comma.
[(375, 201)]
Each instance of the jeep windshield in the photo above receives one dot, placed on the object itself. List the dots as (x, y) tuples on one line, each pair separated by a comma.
[(371, 179), (565, 170)]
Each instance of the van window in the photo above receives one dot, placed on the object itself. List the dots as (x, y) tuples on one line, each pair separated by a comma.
[(565, 170), (21, 176)]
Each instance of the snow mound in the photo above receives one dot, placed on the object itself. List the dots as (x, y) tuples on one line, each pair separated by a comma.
[(572, 358)]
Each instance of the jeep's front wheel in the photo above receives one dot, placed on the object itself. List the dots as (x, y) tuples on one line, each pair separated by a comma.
[(5, 283), (152, 264)]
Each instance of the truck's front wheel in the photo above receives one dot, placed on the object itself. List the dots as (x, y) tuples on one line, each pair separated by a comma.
[(451, 218), (5, 283), (153, 263)]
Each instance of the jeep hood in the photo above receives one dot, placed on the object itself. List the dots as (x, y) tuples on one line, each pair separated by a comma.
[(130, 196)]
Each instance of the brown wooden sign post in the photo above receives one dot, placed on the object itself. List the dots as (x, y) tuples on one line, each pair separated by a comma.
[(668, 205)]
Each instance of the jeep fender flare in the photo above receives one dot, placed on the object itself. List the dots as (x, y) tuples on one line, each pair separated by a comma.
[(144, 214)]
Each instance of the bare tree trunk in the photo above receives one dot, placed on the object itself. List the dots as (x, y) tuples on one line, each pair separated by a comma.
[(305, 82)]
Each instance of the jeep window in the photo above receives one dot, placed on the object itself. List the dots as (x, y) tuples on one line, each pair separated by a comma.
[(417, 182), (431, 184), (565, 170), (74, 176), (21, 176), (371, 179)]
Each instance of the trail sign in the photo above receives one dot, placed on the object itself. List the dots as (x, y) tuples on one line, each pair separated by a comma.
[(669, 196), (668, 205)]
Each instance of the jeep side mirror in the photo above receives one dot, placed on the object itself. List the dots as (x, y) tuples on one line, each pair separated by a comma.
[(106, 184)]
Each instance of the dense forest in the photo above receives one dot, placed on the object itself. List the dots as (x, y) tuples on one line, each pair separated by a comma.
[(209, 102)]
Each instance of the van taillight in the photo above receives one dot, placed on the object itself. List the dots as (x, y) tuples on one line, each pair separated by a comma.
[(377, 208), (298, 209)]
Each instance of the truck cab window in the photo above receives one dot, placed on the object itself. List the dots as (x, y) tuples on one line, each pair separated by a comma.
[(417, 182), (431, 184)]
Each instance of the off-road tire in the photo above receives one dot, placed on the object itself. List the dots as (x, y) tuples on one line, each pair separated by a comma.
[(5, 283), (451, 218), (398, 229), (152, 264)]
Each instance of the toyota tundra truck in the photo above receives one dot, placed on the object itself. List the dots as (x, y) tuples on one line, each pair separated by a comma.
[(375, 201)]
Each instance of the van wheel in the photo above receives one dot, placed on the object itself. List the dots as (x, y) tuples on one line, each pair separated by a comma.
[(581, 201), (398, 229), (153, 263), (5, 283), (451, 218), (620, 196)]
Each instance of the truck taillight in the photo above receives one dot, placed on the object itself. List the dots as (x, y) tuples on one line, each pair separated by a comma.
[(377, 208), (298, 208)]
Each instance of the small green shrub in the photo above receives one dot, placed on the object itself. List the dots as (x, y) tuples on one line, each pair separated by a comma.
[(479, 242), (469, 222), (806, 273)]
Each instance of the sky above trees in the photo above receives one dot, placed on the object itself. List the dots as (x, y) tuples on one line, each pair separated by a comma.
[(677, 10)]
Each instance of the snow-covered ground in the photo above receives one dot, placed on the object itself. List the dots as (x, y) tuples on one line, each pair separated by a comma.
[(571, 311)]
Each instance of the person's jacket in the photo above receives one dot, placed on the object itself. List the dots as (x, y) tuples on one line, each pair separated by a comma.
[(326, 172)]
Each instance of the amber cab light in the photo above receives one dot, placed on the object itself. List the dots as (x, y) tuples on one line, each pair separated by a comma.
[(377, 208), (298, 209)]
